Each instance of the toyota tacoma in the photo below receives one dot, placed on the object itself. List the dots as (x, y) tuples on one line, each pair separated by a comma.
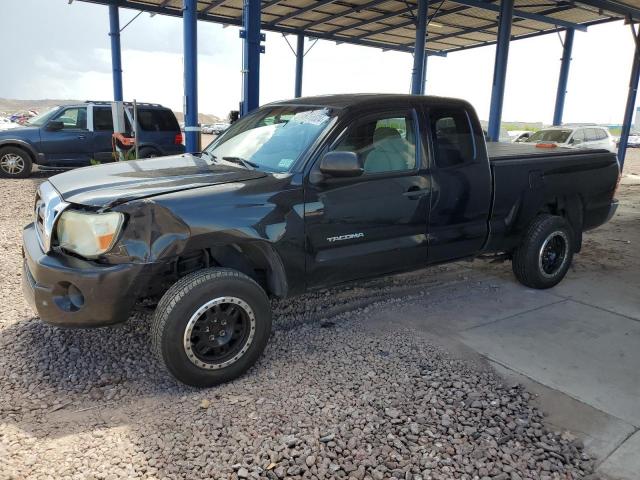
[(300, 195)]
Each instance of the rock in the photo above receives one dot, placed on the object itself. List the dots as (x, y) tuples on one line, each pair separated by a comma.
[(243, 473), (310, 460)]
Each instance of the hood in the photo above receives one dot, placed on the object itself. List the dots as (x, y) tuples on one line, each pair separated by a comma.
[(20, 129), (114, 183)]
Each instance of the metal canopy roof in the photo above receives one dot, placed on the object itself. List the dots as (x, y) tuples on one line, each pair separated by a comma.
[(390, 24)]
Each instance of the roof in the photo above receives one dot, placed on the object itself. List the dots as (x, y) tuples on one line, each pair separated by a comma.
[(349, 100), (390, 24)]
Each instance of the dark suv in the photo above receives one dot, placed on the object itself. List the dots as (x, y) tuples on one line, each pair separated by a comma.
[(77, 135)]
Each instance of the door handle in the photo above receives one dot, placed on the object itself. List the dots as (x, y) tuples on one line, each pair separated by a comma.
[(415, 193)]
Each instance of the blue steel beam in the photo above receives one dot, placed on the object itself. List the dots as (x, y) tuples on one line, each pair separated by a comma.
[(500, 69), (299, 65), (354, 9), (522, 14), (631, 101), (299, 11), (564, 76), (528, 35), (116, 54), (190, 33), (418, 74), (251, 56)]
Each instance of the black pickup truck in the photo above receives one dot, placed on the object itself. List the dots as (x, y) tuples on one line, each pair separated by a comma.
[(300, 195)]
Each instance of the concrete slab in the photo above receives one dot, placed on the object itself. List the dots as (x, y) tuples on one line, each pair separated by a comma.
[(624, 463), (587, 353), (601, 432), (480, 300), (617, 292)]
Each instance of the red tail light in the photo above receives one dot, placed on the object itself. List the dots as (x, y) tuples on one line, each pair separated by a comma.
[(546, 145), (178, 139)]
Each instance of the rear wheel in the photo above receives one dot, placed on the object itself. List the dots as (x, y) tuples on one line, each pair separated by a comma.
[(211, 326), (146, 152), (15, 163), (546, 253)]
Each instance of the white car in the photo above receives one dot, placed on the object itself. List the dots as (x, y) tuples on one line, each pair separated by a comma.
[(592, 137), (519, 136), (634, 140), (6, 124)]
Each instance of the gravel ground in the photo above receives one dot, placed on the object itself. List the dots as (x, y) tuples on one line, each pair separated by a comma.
[(333, 397)]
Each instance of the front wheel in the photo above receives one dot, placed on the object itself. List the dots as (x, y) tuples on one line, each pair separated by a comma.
[(211, 326), (544, 257), (15, 163)]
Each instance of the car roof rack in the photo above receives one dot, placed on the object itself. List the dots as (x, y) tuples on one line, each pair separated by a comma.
[(129, 104)]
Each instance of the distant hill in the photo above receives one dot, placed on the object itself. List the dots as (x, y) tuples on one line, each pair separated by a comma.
[(9, 105)]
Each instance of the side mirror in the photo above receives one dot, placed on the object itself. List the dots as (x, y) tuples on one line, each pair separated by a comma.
[(575, 141), (341, 164), (55, 125)]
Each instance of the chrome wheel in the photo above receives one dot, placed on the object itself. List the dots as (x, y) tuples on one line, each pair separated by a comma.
[(553, 254), (219, 333), (12, 164)]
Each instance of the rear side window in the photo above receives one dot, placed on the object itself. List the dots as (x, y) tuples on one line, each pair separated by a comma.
[(157, 120), (452, 137), (602, 134), (591, 134), (102, 119)]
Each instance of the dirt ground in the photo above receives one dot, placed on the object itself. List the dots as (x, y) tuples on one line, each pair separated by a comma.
[(334, 396)]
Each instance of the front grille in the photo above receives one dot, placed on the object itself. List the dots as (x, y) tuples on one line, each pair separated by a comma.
[(48, 207)]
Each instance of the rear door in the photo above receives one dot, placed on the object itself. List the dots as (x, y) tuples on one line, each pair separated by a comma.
[(71, 146), (461, 185), (102, 134), (375, 223)]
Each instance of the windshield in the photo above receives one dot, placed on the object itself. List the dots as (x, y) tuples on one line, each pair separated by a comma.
[(273, 138), (557, 136), (40, 120)]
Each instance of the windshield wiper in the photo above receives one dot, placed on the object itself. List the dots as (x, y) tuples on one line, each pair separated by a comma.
[(248, 164)]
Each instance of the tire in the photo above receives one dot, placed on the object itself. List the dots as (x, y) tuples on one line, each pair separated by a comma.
[(545, 255), (15, 163), (207, 301), (147, 152)]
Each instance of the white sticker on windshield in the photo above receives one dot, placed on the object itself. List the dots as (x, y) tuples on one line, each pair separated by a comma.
[(285, 163), (313, 117)]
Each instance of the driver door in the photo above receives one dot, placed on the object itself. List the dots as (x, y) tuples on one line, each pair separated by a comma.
[(72, 145), (375, 223)]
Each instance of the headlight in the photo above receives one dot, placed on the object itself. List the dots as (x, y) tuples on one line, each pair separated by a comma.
[(88, 234)]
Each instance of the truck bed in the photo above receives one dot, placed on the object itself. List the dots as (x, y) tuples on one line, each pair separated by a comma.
[(499, 151)]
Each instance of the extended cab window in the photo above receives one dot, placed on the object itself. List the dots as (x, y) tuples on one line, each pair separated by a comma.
[(452, 137), (72, 118), (385, 144)]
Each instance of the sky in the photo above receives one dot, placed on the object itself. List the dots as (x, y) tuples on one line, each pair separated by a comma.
[(52, 49)]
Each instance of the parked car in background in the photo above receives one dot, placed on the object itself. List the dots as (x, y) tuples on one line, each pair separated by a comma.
[(634, 140), (7, 124), (77, 135), (206, 128), (218, 128), (519, 136), (592, 137)]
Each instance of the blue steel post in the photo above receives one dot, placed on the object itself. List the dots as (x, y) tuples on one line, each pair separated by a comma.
[(116, 56), (424, 80), (299, 65), (418, 73), (190, 32), (631, 104), (500, 69), (251, 55), (564, 76)]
